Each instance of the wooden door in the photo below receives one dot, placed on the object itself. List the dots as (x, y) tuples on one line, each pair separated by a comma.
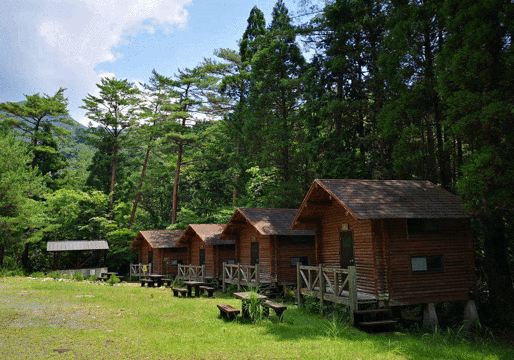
[(254, 253), (346, 253), (202, 257)]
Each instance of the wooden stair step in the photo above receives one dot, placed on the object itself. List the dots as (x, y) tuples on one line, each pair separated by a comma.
[(378, 323), (372, 311)]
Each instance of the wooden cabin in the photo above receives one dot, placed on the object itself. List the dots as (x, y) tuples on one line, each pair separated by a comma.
[(161, 249), (410, 241), (263, 237), (205, 248)]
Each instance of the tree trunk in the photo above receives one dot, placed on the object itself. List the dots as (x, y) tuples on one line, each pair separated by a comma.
[(113, 177), (2, 249), (175, 187), (136, 201), (499, 278)]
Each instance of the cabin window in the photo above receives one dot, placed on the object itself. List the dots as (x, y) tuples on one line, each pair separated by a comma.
[(303, 260), (420, 226), (176, 262), (423, 264), (231, 262), (150, 257)]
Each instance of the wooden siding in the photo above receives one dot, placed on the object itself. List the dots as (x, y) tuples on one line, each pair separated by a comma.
[(452, 241), (222, 253), (364, 256), (162, 258), (247, 235), (292, 247)]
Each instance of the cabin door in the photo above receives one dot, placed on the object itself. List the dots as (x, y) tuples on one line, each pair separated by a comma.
[(202, 257), (346, 253), (254, 253)]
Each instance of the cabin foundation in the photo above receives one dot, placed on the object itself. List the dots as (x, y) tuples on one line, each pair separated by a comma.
[(430, 316)]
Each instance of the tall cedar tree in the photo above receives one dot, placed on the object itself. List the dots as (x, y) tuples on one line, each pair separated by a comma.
[(116, 110), (477, 82), (411, 122), (273, 127)]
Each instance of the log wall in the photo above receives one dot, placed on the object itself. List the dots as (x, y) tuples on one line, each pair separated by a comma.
[(292, 247), (452, 241), (247, 235), (364, 253)]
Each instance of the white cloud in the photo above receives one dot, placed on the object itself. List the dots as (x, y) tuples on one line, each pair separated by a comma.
[(54, 44)]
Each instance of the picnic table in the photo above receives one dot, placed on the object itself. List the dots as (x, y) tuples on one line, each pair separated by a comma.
[(107, 275), (156, 278), (245, 301), (196, 285)]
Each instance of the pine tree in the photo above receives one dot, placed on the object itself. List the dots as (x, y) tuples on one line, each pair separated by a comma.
[(116, 111)]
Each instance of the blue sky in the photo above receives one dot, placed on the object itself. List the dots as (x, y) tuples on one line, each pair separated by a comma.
[(73, 43)]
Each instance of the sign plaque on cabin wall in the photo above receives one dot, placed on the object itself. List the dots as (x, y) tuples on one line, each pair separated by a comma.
[(345, 227)]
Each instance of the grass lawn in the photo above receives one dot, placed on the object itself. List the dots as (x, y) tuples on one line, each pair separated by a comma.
[(82, 320)]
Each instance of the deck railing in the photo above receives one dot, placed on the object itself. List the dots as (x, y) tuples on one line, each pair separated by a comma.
[(140, 269), (240, 275), (330, 284), (191, 272)]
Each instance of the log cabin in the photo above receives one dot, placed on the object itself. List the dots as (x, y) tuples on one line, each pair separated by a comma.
[(161, 249), (205, 248), (263, 237), (410, 241)]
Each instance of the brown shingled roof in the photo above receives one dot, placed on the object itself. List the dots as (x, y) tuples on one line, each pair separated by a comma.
[(384, 199), (207, 232), (158, 239), (265, 221)]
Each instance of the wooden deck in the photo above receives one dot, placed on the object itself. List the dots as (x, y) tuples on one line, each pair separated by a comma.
[(343, 298)]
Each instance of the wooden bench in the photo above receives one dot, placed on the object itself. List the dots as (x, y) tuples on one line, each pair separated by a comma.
[(210, 290), (102, 278), (227, 311), (148, 282), (177, 291), (167, 282), (279, 308), (121, 277)]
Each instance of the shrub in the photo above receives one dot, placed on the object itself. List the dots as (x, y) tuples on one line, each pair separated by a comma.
[(78, 276), (93, 278), (113, 280), (37, 274)]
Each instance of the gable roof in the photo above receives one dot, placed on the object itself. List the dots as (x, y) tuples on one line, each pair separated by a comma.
[(265, 221), (77, 245), (158, 239), (209, 233), (382, 199)]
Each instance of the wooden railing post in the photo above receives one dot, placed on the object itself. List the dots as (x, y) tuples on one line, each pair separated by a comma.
[(224, 286), (321, 285), (299, 283), (352, 290), (257, 275), (238, 275), (203, 273)]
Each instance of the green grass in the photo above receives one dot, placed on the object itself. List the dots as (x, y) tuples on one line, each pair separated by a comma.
[(81, 320)]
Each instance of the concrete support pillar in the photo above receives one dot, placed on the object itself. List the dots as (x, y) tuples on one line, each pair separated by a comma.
[(470, 311), (429, 316)]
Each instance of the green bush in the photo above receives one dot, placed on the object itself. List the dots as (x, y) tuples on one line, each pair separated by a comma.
[(78, 276), (54, 275), (93, 278), (113, 280), (38, 274)]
